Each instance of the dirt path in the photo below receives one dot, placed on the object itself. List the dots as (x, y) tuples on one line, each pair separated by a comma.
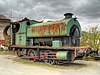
[(8, 67)]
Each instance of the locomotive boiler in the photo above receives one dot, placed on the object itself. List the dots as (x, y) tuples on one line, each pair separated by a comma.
[(67, 31), (53, 41)]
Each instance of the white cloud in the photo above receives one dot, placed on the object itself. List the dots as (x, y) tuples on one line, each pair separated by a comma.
[(87, 11)]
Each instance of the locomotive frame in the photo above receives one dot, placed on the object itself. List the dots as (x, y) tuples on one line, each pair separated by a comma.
[(53, 42)]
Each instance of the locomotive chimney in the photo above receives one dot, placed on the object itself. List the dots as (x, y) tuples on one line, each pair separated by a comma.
[(68, 15)]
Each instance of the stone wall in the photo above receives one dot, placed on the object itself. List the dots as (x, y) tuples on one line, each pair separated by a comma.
[(3, 23)]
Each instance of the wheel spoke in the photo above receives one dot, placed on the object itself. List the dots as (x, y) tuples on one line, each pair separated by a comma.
[(48, 59), (30, 54)]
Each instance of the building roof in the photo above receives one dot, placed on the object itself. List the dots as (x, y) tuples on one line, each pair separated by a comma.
[(2, 17)]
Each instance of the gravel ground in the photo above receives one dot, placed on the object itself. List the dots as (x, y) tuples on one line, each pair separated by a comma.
[(9, 67)]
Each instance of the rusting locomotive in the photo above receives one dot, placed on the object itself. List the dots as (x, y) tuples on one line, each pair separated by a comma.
[(53, 42)]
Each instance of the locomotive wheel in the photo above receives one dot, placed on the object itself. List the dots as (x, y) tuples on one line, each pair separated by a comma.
[(24, 52), (19, 53), (49, 61), (52, 62), (32, 53), (46, 61), (58, 62)]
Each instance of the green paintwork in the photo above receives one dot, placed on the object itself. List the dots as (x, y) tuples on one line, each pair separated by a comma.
[(70, 23), (56, 43), (22, 27), (62, 55), (47, 33), (33, 22), (21, 34), (20, 39)]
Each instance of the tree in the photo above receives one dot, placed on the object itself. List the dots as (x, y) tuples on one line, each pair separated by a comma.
[(91, 38)]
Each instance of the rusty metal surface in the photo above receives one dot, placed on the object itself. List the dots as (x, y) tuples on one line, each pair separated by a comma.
[(49, 47), (47, 30), (5, 34), (55, 28)]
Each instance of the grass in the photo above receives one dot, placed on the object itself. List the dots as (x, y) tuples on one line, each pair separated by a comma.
[(68, 66)]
